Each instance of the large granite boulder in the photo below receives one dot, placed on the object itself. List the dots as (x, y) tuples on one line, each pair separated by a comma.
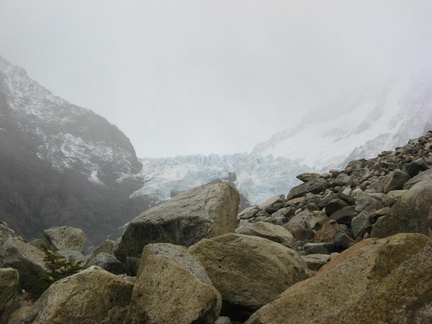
[(202, 212), (9, 280), (90, 296), (412, 213), (172, 287), (248, 271), (63, 238), (269, 231), (405, 296), (369, 269), (28, 260)]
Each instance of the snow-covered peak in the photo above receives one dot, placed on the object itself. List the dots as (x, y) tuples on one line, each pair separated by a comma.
[(68, 136), (389, 115)]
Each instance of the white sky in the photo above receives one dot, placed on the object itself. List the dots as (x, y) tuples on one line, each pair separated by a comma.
[(215, 76)]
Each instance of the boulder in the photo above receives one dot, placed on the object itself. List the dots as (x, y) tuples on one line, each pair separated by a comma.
[(172, 287), (28, 260), (305, 177), (248, 271), (106, 247), (202, 212), (269, 231), (249, 212), (316, 261), (334, 205), (412, 213), (344, 215), (393, 196), (315, 185), (360, 224), (422, 176), (9, 280), (273, 204), (415, 167), (318, 248), (304, 234), (64, 238), (109, 263), (403, 297), (367, 202), (5, 232), (395, 180), (298, 221), (352, 277), (90, 296)]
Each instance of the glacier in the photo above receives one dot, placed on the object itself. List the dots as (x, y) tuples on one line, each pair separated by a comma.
[(256, 177)]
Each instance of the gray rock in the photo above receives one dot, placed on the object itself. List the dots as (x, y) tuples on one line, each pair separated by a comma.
[(28, 260), (422, 176), (334, 205), (202, 212), (109, 263), (392, 197), (410, 214), (318, 248), (315, 186), (172, 287), (106, 247), (269, 231), (316, 261), (366, 202), (344, 215), (416, 167), (249, 212), (6, 232), (341, 180), (395, 180), (342, 242), (305, 177), (248, 271), (64, 238), (9, 280), (298, 221), (360, 224), (273, 204), (90, 296)]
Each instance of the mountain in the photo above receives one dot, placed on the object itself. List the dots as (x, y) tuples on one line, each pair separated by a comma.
[(61, 164), (256, 177), (359, 124)]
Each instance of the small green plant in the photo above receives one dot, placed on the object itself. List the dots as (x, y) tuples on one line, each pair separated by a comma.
[(58, 266)]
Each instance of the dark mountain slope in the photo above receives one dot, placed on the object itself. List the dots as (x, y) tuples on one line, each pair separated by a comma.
[(61, 164)]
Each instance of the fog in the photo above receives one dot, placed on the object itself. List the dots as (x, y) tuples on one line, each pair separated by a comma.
[(188, 77)]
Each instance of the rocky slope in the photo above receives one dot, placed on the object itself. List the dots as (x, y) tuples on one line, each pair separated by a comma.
[(349, 246), (61, 164), (369, 120)]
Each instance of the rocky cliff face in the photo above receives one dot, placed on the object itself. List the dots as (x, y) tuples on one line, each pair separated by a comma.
[(61, 164)]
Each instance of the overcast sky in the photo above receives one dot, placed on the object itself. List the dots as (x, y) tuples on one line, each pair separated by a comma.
[(185, 77)]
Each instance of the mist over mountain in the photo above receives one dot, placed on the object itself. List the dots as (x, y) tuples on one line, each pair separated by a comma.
[(61, 164), (356, 125), (65, 165)]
